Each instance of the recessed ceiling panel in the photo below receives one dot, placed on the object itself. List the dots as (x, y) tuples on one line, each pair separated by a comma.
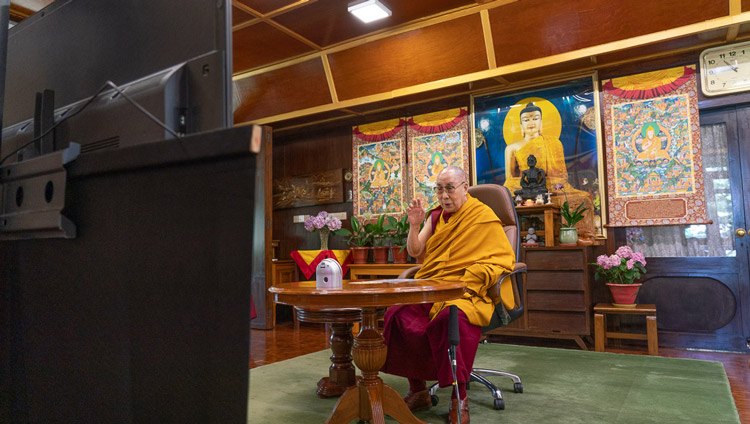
[(261, 44), (284, 90), (531, 29), (327, 22), (239, 16), (428, 54), (266, 6)]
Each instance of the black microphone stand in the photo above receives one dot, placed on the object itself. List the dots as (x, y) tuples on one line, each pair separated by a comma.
[(453, 340)]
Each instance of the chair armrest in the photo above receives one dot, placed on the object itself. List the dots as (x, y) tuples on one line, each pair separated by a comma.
[(409, 273), (494, 291)]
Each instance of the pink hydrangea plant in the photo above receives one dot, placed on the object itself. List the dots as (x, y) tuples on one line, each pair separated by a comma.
[(623, 267)]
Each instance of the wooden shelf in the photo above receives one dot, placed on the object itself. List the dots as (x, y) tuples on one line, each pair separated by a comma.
[(551, 224)]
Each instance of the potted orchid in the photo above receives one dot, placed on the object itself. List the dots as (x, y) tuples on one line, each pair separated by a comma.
[(324, 224), (621, 272), (568, 231)]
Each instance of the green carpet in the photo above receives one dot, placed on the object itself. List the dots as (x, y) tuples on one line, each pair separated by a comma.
[(560, 386)]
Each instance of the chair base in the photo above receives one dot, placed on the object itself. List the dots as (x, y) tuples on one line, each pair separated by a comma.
[(478, 375)]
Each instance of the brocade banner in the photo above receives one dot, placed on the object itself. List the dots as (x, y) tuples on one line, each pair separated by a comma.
[(652, 139)]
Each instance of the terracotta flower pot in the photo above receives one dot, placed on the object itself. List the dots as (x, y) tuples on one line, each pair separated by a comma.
[(380, 254), (359, 254), (624, 294), (399, 256)]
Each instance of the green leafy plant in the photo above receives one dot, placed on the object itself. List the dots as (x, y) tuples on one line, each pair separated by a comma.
[(399, 230), (359, 236), (378, 231), (570, 219)]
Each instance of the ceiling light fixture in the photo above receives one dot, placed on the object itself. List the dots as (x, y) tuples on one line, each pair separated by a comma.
[(369, 10)]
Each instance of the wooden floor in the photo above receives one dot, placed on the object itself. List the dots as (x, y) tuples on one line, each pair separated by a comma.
[(283, 342)]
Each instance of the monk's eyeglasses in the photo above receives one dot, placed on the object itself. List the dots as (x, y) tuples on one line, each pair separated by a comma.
[(448, 188)]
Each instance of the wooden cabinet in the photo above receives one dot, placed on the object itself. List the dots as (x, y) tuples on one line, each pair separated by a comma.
[(557, 294)]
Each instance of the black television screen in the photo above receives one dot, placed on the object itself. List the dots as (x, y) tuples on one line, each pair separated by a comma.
[(74, 46)]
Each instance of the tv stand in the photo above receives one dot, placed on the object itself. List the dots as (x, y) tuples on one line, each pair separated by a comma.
[(145, 315)]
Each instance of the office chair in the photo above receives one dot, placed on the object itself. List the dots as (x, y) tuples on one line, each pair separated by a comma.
[(499, 199)]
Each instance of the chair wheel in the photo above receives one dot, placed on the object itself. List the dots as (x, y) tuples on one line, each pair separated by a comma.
[(499, 404), (518, 387), (435, 399)]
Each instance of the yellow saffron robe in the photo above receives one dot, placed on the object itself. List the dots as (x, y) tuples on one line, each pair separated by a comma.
[(471, 247)]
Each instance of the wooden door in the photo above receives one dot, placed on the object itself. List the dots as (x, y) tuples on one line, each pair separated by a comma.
[(700, 284)]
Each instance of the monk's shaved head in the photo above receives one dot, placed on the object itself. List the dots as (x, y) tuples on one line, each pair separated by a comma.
[(456, 172)]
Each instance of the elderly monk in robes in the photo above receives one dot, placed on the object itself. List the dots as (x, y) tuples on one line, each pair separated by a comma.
[(463, 240)]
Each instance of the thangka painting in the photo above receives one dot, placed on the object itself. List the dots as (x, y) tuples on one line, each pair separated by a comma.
[(436, 140), (559, 126), (655, 173), (379, 165)]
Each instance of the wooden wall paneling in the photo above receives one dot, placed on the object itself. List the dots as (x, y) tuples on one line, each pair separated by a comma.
[(745, 5), (261, 44), (294, 87), (339, 25), (428, 54), (305, 152), (533, 29)]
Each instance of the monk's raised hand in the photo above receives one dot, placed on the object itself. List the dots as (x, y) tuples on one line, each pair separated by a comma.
[(415, 211)]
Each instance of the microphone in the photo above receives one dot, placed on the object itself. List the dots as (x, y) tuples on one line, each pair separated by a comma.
[(453, 339), (453, 336)]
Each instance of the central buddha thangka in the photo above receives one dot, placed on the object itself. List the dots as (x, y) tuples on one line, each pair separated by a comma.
[(549, 157)]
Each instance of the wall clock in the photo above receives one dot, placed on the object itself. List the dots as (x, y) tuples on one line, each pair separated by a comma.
[(725, 69)]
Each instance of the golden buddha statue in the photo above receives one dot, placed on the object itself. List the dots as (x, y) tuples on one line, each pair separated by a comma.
[(548, 151)]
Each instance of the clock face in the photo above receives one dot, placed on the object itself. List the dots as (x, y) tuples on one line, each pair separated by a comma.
[(725, 69)]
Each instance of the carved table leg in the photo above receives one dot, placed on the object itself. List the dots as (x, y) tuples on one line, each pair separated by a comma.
[(371, 399), (341, 373)]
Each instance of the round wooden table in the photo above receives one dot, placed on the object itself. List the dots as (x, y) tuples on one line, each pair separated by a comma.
[(371, 399)]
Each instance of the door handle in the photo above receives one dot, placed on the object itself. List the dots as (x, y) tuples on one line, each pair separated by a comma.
[(740, 232)]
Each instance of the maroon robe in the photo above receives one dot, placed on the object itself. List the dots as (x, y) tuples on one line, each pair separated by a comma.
[(418, 346)]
